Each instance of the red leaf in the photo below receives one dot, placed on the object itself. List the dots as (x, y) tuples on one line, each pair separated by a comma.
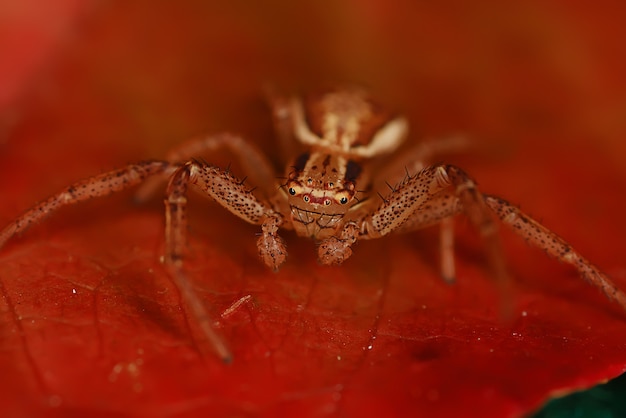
[(91, 325)]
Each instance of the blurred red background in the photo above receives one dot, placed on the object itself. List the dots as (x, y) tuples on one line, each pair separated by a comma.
[(91, 325)]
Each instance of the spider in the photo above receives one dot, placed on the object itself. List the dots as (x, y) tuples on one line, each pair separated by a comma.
[(344, 143)]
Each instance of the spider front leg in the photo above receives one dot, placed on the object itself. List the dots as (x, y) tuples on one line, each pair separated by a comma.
[(253, 162), (232, 195), (431, 197), (229, 192)]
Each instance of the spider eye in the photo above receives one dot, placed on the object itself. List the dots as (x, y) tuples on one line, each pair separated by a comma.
[(292, 191), (342, 197), (327, 202), (306, 198)]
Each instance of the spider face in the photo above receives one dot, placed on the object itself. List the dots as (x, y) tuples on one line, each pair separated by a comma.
[(320, 190)]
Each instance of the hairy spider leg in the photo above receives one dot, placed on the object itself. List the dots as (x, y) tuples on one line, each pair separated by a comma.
[(555, 246), (230, 193), (97, 186), (423, 200), (253, 162), (414, 160)]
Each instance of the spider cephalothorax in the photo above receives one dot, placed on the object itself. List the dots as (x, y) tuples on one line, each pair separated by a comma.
[(320, 192)]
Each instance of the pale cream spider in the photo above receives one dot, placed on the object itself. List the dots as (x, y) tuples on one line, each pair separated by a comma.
[(344, 138)]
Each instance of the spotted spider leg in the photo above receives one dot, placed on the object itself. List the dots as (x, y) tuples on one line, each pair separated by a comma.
[(555, 246), (335, 250), (426, 199), (97, 186), (230, 193), (253, 162), (415, 160), (444, 206)]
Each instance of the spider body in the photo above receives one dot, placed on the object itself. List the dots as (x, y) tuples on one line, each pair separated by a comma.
[(329, 193), (341, 130)]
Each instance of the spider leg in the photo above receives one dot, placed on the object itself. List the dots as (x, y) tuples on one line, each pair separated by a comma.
[(429, 197), (446, 250), (232, 195), (282, 116), (97, 186), (409, 206), (440, 209), (424, 200), (555, 246), (480, 215), (253, 162)]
